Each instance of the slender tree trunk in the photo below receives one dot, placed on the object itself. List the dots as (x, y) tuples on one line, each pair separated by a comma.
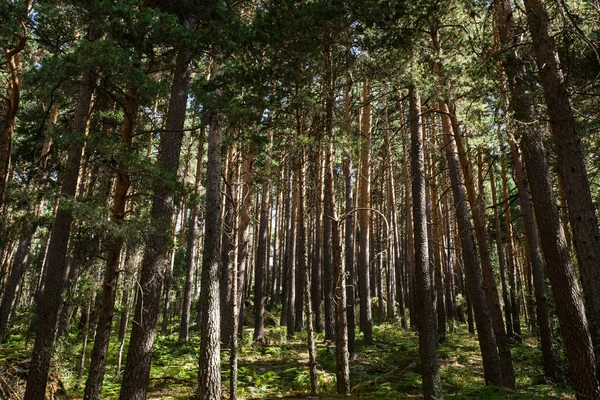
[(364, 202), (235, 288), (432, 385), (228, 239), (317, 264), (15, 278), (287, 227), (340, 291), (537, 266), (349, 254), (478, 211), (209, 374), (327, 264), (191, 239), (437, 239), (300, 252), (290, 256), (93, 385), (261, 258), (514, 302), (303, 269), (156, 260), (501, 256), (247, 190)]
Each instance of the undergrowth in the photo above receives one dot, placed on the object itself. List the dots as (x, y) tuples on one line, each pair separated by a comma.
[(278, 368)]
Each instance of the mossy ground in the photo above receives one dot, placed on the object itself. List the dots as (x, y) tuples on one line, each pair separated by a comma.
[(388, 369)]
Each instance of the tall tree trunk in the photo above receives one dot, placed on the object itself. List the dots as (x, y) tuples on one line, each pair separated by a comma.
[(342, 359), (156, 260), (56, 267), (349, 254), (501, 256), (15, 278), (303, 269), (234, 280), (432, 385), (483, 318), (437, 239), (300, 252), (478, 211), (328, 288), (247, 190), (537, 266), (571, 165), (93, 385), (317, 253), (364, 215), (209, 374), (228, 240), (290, 256), (524, 124), (287, 226), (514, 300), (191, 239), (261, 257), (9, 103)]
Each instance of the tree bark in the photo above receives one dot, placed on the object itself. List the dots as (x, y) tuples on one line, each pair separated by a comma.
[(9, 103), (571, 165), (56, 269), (303, 269), (209, 374), (317, 253), (93, 385), (191, 239), (432, 385), (478, 212), (156, 260), (364, 202), (262, 259), (483, 318)]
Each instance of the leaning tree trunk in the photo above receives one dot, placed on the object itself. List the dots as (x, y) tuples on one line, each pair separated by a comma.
[(432, 385), (483, 319), (524, 124), (537, 266), (156, 260), (571, 164), (56, 267), (478, 211), (15, 278)]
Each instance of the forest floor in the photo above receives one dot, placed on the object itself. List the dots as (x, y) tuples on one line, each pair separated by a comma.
[(388, 369)]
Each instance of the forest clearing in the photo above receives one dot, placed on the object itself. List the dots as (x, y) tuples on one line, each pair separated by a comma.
[(299, 199)]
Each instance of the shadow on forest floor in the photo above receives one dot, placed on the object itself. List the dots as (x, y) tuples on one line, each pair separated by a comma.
[(387, 369)]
